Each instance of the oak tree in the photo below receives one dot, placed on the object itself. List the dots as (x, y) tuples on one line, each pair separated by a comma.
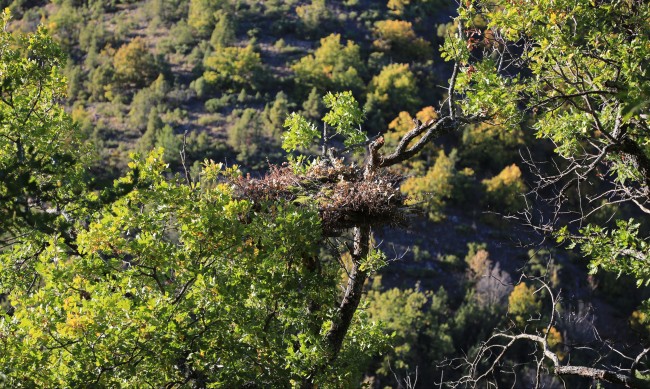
[(576, 71)]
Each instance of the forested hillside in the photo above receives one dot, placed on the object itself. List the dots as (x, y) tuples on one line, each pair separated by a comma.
[(285, 193)]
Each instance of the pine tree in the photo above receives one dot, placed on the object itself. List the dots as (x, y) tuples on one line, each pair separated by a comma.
[(224, 29)]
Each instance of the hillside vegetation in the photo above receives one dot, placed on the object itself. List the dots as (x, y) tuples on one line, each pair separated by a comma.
[(285, 193)]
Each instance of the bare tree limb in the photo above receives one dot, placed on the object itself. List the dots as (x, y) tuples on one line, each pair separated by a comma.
[(494, 350)]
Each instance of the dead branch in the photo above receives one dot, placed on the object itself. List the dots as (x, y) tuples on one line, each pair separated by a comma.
[(494, 349)]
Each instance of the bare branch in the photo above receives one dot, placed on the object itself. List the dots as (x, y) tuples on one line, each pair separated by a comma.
[(495, 350)]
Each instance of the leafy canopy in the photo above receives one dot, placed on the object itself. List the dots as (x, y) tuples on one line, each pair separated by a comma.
[(333, 66), (577, 71), (233, 67), (158, 280), (40, 147), (344, 115)]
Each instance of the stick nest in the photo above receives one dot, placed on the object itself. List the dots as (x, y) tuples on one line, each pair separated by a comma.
[(344, 197)]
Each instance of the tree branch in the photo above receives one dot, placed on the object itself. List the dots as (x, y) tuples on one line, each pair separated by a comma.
[(626, 377)]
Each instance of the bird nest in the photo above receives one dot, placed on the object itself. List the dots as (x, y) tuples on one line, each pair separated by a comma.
[(345, 197)]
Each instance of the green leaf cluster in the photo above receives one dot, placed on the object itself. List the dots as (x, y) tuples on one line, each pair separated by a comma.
[(40, 148), (334, 66), (344, 115), (155, 281)]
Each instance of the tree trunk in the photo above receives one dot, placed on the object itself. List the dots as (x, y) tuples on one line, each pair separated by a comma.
[(353, 292), (351, 299)]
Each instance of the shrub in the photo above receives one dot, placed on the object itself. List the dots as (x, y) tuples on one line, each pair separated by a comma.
[(417, 319), (275, 115), (245, 134), (433, 189), (523, 305), (201, 16), (181, 39), (505, 191), (224, 30), (397, 38), (200, 87), (333, 66), (314, 14), (159, 134), (490, 147), (233, 67), (99, 82), (393, 90), (313, 107), (144, 100), (215, 105), (134, 65)]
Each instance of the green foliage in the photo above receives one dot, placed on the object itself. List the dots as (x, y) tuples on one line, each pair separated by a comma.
[(374, 261), (181, 39), (332, 67), (154, 281), (245, 134), (395, 84), (300, 133), (160, 282), (393, 90), (160, 135), (494, 95), (144, 284), (416, 320), (313, 107), (134, 65), (242, 97), (397, 38), (275, 115), (74, 76), (415, 7), (215, 105), (585, 88), (201, 15), (314, 14), (145, 100), (148, 140), (489, 146), (505, 190), (66, 23), (233, 67), (346, 116), (100, 80), (432, 191), (200, 86), (473, 323), (40, 149), (165, 11), (620, 250), (617, 58), (170, 143), (523, 304), (224, 30), (93, 36), (274, 7)]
